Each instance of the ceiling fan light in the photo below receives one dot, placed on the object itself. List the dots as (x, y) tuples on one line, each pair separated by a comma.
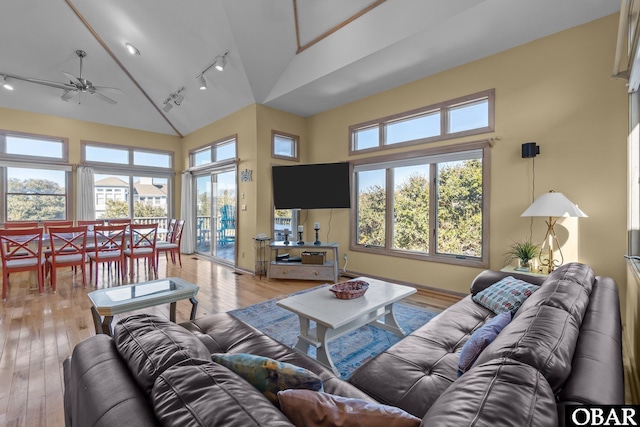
[(5, 83), (132, 49), (203, 83)]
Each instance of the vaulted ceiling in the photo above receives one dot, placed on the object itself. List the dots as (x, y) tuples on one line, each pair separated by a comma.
[(300, 56)]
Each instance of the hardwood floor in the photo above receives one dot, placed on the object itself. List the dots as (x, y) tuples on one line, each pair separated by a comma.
[(38, 332)]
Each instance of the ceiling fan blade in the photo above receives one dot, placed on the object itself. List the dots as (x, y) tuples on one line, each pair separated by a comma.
[(68, 95), (57, 85), (106, 89), (105, 98), (72, 78)]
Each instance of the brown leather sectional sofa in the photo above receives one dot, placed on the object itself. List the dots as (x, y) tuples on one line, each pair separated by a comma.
[(562, 347)]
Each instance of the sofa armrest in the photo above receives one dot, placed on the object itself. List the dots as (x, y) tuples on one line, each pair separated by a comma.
[(99, 389), (489, 277)]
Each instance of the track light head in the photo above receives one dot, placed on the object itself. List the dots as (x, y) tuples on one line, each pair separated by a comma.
[(203, 82), (5, 83), (132, 49), (167, 107), (178, 100), (221, 62)]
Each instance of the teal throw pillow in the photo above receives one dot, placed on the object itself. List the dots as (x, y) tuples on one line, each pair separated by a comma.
[(480, 339), (506, 295), (267, 375)]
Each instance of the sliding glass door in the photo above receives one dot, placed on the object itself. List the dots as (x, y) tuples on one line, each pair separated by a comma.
[(216, 214)]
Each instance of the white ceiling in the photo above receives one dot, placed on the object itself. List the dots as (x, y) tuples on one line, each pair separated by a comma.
[(394, 43)]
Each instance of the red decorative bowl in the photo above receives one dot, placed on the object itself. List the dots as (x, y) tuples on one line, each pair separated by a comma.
[(349, 290)]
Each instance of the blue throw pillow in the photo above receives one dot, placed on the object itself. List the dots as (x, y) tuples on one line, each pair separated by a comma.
[(480, 339), (269, 376), (506, 295)]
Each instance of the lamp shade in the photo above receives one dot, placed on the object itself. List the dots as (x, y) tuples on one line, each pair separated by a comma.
[(553, 204)]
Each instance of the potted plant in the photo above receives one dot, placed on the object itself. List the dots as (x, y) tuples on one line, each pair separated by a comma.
[(524, 251)]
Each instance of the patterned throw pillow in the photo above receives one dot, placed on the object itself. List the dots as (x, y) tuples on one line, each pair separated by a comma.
[(480, 339), (506, 295), (269, 376), (306, 408)]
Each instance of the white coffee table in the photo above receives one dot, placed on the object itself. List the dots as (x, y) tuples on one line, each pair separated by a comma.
[(105, 303), (335, 317)]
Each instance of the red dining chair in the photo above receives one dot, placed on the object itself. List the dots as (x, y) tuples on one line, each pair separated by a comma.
[(142, 244), (49, 224), (21, 224), (118, 221), (90, 222), (21, 250), (68, 249), (108, 247), (172, 247)]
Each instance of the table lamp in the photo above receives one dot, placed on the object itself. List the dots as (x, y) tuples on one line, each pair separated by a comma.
[(552, 205)]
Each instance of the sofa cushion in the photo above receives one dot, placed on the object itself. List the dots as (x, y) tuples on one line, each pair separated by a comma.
[(506, 295), (480, 339), (203, 393), (306, 408), (267, 375), (543, 337), (223, 333), (502, 392), (151, 344), (416, 370)]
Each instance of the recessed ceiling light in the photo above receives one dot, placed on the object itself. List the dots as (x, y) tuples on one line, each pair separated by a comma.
[(132, 49), (5, 83)]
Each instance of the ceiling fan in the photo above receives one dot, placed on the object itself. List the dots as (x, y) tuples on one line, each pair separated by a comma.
[(76, 85)]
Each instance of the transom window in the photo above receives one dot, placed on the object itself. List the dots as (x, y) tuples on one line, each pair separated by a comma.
[(218, 151), (99, 153), (470, 115), (285, 146), (429, 205), (34, 178)]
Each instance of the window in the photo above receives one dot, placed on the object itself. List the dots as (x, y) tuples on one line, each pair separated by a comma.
[(34, 180), (218, 151), (130, 182), (427, 205), (470, 115), (284, 146)]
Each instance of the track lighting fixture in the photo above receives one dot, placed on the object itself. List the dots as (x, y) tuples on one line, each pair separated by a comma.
[(132, 49), (5, 83), (221, 62), (175, 98)]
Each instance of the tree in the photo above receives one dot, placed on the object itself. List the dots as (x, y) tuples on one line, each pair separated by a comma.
[(411, 214), (371, 216), (35, 199)]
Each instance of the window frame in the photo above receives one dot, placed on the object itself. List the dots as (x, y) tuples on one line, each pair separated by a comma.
[(442, 108), (387, 162), (35, 162), (296, 145), (131, 171), (212, 146)]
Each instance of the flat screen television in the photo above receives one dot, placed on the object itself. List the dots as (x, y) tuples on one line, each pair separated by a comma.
[(315, 186)]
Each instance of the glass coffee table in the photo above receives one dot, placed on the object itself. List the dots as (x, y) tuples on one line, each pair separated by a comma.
[(121, 299)]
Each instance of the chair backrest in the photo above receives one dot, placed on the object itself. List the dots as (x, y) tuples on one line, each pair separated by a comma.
[(67, 241), (57, 223), (22, 243), (177, 236), (227, 217), (109, 238), (142, 236), (21, 224), (90, 222), (117, 221), (171, 231)]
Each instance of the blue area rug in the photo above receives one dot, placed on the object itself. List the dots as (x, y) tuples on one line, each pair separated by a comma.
[(348, 351)]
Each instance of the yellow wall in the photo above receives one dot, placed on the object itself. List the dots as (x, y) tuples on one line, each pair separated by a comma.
[(555, 91)]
